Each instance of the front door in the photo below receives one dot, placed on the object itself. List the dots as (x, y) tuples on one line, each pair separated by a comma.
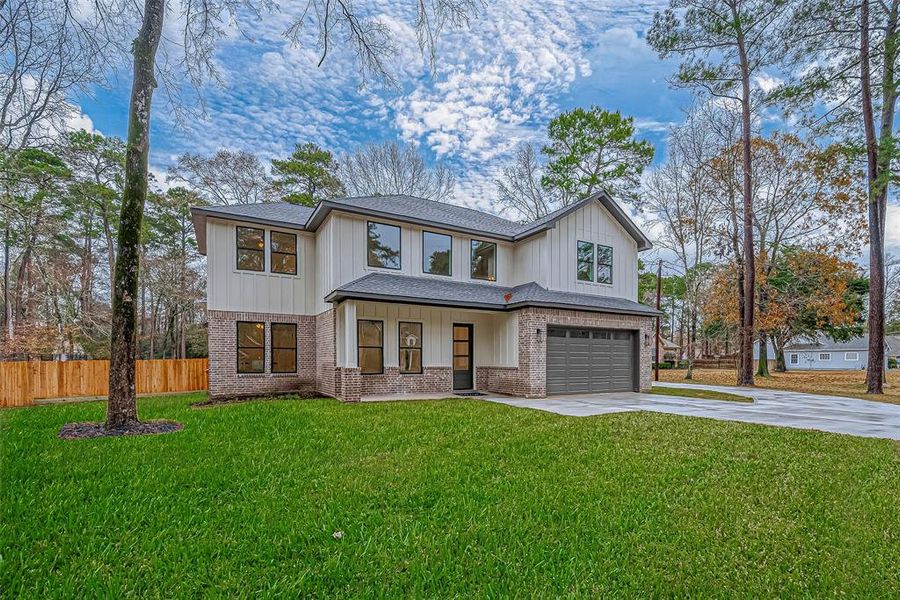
[(462, 357)]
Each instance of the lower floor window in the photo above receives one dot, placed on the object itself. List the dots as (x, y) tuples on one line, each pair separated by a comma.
[(410, 347), (825, 356), (795, 359), (370, 345), (251, 344), (284, 347)]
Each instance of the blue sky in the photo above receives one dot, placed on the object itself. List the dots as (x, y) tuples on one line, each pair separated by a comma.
[(497, 83)]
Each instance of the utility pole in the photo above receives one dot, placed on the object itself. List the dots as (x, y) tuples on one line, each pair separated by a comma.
[(658, 317)]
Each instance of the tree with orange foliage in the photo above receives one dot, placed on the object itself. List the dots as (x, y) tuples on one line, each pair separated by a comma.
[(808, 291), (803, 195)]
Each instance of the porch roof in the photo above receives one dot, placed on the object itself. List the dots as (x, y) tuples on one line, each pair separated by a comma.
[(387, 287)]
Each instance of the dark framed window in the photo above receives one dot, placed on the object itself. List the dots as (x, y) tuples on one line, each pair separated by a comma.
[(410, 347), (251, 347), (604, 264), (370, 346), (283, 252), (251, 246), (484, 260), (437, 253), (383, 245), (584, 261), (284, 347)]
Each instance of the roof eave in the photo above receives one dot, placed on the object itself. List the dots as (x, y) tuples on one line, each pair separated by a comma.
[(338, 296), (325, 207)]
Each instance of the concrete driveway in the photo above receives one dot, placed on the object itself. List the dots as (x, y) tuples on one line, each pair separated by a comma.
[(770, 407)]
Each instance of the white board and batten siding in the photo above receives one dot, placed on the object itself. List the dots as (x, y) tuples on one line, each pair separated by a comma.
[(495, 343), (594, 224), (236, 290), (343, 238)]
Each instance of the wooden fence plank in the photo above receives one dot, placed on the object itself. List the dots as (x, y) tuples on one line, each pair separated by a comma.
[(23, 382)]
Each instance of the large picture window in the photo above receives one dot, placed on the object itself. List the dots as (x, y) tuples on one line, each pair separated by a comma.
[(283, 252), (410, 347), (284, 347), (251, 245), (604, 264), (383, 246), (370, 344), (436, 253), (584, 268), (484, 260), (251, 345)]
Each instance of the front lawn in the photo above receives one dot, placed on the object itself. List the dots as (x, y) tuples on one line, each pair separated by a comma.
[(441, 499), (835, 383)]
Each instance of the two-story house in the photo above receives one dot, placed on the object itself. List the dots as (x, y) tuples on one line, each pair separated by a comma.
[(394, 295)]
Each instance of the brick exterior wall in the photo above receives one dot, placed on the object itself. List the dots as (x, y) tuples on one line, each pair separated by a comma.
[(224, 380), (529, 378), (316, 371)]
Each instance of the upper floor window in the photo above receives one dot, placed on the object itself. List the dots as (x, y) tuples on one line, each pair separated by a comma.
[(584, 269), (251, 245), (604, 264), (383, 246), (283, 252), (484, 260), (251, 343), (436, 253)]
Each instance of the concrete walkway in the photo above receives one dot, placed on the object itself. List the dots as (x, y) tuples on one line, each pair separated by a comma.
[(834, 414)]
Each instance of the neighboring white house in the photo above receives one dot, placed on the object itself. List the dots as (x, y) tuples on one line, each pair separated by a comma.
[(824, 354), (394, 294)]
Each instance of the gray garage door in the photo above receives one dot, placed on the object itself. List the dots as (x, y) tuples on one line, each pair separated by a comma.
[(589, 360)]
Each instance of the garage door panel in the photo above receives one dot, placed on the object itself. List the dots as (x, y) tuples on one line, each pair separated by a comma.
[(586, 360)]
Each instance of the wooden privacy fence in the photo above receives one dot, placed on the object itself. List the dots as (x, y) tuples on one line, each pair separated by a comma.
[(23, 382)]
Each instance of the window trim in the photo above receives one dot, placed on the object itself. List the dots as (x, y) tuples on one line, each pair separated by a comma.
[(272, 348), (400, 347), (296, 253), (237, 354), (855, 355), (598, 264), (424, 271), (399, 266), (794, 358), (593, 262), (472, 241), (359, 346), (828, 354), (238, 248)]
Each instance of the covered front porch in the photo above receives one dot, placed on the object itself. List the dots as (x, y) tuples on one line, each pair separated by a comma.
[(390, 350)]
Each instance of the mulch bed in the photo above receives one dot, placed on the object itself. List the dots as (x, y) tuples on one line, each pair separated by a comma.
[(77, 431)]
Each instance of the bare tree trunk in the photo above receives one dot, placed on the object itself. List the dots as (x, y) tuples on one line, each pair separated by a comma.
[(745, 376), (878, 159), (122, 405), (778, 344), (762, 369), (7, 307)]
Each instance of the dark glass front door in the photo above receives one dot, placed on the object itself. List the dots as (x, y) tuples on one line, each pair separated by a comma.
[(462, 357)]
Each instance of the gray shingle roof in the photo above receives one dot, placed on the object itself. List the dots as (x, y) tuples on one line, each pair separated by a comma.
[(447, 292), (430, 210), (823, 342), (274, 212)]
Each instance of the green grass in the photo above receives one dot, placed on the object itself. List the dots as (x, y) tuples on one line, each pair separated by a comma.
[(442, 498), (696, 393)]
